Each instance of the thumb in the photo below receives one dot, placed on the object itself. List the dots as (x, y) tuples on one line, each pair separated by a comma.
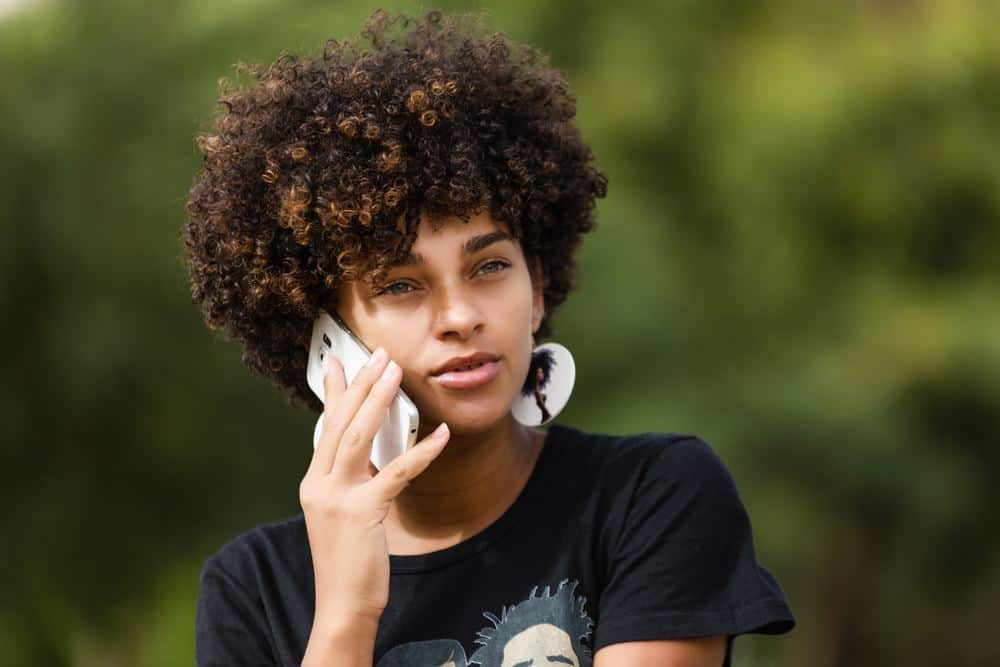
[(394, 477)]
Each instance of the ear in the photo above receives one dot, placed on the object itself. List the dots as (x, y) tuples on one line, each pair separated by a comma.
[(537, 295)]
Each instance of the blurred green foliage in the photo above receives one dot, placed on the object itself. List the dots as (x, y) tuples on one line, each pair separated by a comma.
[(797, 260)]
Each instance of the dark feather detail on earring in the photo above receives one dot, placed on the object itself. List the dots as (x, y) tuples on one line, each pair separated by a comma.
[(543, 359)]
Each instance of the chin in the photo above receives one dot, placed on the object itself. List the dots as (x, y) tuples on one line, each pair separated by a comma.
[(467, 410), (468, 416)]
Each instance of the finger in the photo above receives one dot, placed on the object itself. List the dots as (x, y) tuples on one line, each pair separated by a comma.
[(355, 450), (334, 384), (394, 477), (336, 423), (339, 408)]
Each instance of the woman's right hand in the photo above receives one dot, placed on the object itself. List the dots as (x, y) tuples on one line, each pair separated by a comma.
[(344, 504)]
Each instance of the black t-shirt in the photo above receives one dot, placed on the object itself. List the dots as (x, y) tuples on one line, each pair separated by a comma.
[(612, 539)]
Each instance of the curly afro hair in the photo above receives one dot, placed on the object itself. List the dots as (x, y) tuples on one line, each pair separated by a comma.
[(318, 170)]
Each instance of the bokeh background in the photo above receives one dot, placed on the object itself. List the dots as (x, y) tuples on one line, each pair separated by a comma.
[(797, 260)]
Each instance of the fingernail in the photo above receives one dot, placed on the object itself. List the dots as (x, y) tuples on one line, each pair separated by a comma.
[(377, 357), (440, 431), (390, 372)]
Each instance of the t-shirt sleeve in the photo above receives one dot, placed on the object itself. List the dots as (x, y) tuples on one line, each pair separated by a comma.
[(683, 564), (230, 622)]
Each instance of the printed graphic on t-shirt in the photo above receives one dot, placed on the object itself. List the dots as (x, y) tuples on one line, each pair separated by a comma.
[(551, 629)]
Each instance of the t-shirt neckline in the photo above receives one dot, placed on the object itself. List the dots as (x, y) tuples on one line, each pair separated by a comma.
[(533, 490)]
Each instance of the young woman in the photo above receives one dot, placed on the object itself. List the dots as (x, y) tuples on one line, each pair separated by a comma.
[(432, 191)]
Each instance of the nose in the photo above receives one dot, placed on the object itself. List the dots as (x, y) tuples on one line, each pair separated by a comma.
[(458, 315)]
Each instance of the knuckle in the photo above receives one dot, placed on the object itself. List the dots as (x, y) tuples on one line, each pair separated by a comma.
[(307, 493), (356, 393), (344, 508), (334, 506), (398, 470), (365, 377), (352, 437), (375, 373), (332, 503), (372, 373), (389, 388)]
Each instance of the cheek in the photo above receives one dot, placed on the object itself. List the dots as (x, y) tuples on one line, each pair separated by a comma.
[(519, 299), (402, 349), (377, 332), (520, 348)]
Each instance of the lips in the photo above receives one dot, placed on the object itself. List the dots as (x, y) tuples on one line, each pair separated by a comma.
[(477, 375), (466, 368), (466, 363)]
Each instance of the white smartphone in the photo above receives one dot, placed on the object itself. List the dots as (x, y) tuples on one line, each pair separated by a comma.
[(331, 335)]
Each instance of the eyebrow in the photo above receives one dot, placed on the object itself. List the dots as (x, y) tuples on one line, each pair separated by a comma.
[(471, 246)]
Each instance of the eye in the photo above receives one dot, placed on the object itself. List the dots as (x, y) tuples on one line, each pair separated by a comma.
[(400, 288), (499, 263), (391, 291)]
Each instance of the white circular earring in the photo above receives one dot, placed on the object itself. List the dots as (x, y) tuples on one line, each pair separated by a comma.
[(547, 387)]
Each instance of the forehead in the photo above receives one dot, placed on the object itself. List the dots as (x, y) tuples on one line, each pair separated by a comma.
[(448, 236), (455, 230)]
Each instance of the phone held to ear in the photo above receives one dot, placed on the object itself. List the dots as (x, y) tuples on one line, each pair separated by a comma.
[(331, 335)]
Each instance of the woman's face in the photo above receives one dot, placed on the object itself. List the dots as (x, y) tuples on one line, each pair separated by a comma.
[(456, 297)]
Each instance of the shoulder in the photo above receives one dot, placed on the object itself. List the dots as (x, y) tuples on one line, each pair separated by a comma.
[(676, 481), (650, 457), (688, 479), (689, 462), (616, 446), (271, 546), (240, 587)]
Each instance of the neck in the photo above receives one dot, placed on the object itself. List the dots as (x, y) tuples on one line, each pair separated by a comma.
[(469, 485)]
